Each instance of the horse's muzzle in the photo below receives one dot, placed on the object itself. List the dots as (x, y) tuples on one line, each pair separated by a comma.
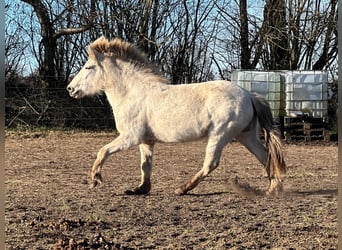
[(74, 93)]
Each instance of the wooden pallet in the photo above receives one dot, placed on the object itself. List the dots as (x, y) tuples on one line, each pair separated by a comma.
[(306, 129)]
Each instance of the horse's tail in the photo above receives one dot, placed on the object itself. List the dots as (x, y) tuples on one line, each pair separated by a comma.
[(275, 165)]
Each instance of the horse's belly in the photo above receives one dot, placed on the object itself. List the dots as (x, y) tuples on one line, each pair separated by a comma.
[(179, 136), (179, 131)]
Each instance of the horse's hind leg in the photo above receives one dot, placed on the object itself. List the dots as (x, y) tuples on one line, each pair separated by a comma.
[(146, 152), (211, 161), (252, 142)]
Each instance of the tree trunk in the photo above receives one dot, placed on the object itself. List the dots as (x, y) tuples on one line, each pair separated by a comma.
[(245, 54), (276, 35)]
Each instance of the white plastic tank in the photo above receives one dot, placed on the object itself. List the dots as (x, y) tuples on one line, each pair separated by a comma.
[(268, 84), (306, 93)]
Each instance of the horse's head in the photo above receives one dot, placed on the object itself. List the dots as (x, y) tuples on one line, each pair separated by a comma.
[(111, 64), (90, 79)]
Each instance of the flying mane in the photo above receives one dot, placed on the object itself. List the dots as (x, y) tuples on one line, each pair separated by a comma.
[(125, 51)]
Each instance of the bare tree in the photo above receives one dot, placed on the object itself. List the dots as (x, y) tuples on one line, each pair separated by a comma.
[(328, 49), (51, 26), (14, 53), (312, 33), (275, 36), (191, 32), (15, 46), (292, 34)]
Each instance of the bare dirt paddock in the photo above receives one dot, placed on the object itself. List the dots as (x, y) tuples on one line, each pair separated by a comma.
[(48, 204)]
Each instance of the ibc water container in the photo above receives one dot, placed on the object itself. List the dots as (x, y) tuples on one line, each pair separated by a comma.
[(306, 92), (268, 84)]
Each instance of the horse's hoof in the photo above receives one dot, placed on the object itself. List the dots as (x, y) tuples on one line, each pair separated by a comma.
[(275, 188), (274, 193), (129, 192), (134, 192), (93, 184), (180, 191), (143, 188), (137, 191)]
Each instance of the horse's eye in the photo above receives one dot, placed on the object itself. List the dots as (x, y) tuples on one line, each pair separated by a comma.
[(90, 67)]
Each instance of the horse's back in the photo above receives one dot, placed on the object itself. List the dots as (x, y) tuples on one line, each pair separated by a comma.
[(228, 104), (187, 112)]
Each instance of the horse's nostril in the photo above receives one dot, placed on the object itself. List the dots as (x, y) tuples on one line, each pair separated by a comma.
[(70, 89)]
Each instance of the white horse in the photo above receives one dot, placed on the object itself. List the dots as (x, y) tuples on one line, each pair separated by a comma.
[(148, 110)]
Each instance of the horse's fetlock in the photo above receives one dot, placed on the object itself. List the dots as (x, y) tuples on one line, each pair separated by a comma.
[(180, 191), (96, 179)]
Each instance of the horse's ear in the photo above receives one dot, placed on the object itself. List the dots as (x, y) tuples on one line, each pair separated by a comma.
[(96, 55), (101, 38)]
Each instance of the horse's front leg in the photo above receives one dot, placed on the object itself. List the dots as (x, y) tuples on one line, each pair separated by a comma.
[(120, 143), (146, 152)]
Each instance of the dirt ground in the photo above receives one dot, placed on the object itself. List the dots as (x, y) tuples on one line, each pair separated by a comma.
[(49, 206)]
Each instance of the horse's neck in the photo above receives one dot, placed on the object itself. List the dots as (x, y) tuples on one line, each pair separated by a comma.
[(114, 99), (129, 85), (116, 88), (120, 93)]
